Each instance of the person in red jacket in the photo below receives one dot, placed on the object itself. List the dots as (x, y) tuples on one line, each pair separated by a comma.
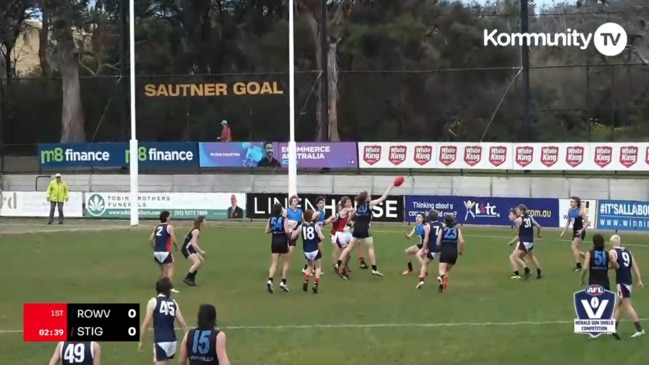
[(226, 135)]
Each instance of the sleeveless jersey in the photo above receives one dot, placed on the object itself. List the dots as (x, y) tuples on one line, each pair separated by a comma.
[(526, 229), (598, 268), (76, 353), (363, 215), (276, 225), (436, 228), (625, 260), (162, 238), (309, 237), (420, 231), (164, 317), (450, 237), (321, 217), (188, 238), (201, 347), (341, 223), (294, 215), (577, 220)]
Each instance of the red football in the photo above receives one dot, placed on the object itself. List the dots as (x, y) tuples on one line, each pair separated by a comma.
[(399, 180)]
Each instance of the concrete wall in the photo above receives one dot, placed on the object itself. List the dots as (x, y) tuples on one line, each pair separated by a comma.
[(623, 189)]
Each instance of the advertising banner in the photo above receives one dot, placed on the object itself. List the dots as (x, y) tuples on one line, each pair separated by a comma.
[(509, 156), (590, 206), (34, 204), (623, 215), (116, 155), (259, 205), (185, 206), (338, 155), (482, 211)]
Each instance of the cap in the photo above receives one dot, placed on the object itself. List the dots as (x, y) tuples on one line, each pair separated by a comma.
[(57, 175), (224, 122)]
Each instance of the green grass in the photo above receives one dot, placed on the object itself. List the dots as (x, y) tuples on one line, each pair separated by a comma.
[(484, 317)]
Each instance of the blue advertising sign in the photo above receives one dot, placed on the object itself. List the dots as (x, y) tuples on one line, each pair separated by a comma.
[(623, 215), (482, 211), (115, 155)]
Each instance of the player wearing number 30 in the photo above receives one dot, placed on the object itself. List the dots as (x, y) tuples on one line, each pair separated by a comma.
[(76, 353), (312, 238), (627, 265), (204, 345), (163, 312)]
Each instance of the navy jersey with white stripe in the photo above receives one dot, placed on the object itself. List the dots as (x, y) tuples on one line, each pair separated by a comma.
[(526, 229), (76, 353), (436, 228), (625, 260), (164, 317), (310, 238), (201, 347)]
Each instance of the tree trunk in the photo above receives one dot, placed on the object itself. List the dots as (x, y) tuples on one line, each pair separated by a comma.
[(332, 60), (320, 108), (44, 36)]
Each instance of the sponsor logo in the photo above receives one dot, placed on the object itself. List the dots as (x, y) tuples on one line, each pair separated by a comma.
[(628, 156), (524, 155), (549, 155), (477, 209), (603, 155), (472, 155), (59, 154), (497, 155), (423, 154), (372, 154), (96, 205), (594, 307), (448, 155), (397, 154), (574, 155)]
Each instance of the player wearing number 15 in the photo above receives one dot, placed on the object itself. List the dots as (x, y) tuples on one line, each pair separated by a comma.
[(312, 238), (76, 353), (163, 312), (204, 345), (626, 265), (162, 238)]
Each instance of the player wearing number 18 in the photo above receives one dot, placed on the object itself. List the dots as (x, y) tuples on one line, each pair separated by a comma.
[(76, 353), (204, 345), (626, 265), (312, 238), (163, 312)]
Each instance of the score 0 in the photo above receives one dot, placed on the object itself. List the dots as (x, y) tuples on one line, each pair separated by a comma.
[(108, 322), (134, 314)]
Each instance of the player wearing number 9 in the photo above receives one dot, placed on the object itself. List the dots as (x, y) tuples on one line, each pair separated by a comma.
[(204, 345), (626, 265), (76, 353)]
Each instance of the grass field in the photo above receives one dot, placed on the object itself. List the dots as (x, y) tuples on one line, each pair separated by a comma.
[(483, 318)]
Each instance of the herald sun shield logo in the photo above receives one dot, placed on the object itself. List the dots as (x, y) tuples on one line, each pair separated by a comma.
[(594, 307)]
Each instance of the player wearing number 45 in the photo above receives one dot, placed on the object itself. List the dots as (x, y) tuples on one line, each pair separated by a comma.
[(204, 345), (76, 353), (163, 312)]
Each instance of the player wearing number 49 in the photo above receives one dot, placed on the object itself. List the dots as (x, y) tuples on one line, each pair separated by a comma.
[(204, 345), (76, 353), (163, 312), (627, 265)]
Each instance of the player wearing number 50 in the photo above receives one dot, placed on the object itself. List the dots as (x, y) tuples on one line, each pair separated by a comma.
[(204, 345), (163, 312), (76, 353), (626, 265)]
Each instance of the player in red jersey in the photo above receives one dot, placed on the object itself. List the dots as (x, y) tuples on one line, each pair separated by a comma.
[(340, 235)]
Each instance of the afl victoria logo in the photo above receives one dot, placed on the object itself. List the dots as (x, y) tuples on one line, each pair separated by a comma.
[(96, 205)]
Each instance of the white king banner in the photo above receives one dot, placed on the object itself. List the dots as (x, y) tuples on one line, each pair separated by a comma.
[(595, 307)]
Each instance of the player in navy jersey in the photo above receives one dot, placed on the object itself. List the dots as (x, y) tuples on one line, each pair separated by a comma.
[(205, 344), (192, 251), (524, 241), (162, 312), (362, 217), (430, 250), (627, 266), (312, 244), (421, 230), (162, 238), (278, 227), (320, 219), (579, 219), (76, 353), (448, 241), (295, 216), (597, 262)]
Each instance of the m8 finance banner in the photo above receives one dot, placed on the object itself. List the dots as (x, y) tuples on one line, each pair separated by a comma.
[(505, 156), (623, 215), (259, 205), (482, 211), (185, 206), (336, 155), (116, 155)]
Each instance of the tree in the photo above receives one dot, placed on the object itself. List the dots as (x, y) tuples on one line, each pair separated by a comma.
[(13, 20)]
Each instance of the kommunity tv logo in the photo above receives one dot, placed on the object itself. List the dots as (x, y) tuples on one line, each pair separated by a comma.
[(609, 39)]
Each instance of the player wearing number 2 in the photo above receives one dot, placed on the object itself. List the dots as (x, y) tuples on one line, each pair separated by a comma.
[(204, 345), (525, 242), (162, 238), (163, 312), (626, 265), (76, 353)]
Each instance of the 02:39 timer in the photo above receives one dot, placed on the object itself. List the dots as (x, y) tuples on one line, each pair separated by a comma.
[(45, 332)]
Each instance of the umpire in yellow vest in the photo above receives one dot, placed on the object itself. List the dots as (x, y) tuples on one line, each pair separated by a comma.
[(57, 195)]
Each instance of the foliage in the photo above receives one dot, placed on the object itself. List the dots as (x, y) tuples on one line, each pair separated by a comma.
[(411, 69)]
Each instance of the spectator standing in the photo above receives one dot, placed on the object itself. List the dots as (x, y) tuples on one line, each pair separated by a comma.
[(57, 195), (226, 135)]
